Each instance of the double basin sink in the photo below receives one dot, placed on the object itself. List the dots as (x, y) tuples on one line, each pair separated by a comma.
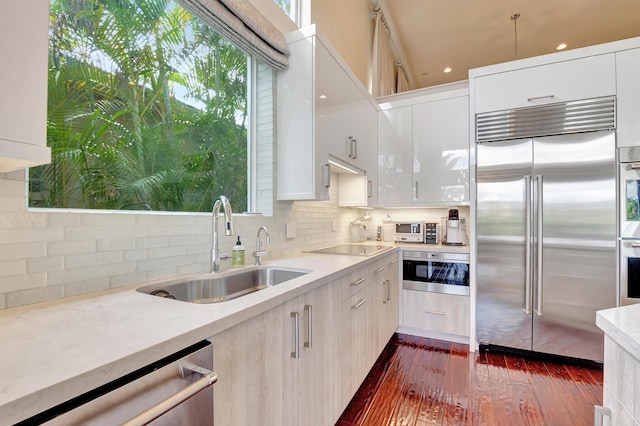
[(215, 288)]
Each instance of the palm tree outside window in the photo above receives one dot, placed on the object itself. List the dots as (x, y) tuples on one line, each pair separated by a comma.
[(147, 109)]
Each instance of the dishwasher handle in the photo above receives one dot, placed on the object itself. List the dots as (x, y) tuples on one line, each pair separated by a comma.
[(174, 400)]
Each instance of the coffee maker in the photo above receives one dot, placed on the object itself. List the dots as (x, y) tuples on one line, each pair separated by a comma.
[(455, 229)]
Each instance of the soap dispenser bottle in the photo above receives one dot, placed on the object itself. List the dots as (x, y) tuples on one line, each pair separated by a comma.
[(237, 256)]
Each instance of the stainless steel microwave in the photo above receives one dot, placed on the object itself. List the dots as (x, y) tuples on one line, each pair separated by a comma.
[(409, 232)]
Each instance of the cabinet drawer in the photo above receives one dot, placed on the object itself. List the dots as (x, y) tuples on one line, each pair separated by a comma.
[(353, 283), (445, 313), (628, 99), (584, 78)]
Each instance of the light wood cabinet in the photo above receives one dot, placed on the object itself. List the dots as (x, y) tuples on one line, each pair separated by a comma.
[(24, 45), (443, 313), (628, 99), (385, 300), (590, 77)]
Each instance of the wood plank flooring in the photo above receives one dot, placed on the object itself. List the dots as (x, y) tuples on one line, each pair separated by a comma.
[(420, 381)]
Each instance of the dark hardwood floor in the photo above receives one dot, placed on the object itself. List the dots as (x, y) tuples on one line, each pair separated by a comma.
[(420, 381)]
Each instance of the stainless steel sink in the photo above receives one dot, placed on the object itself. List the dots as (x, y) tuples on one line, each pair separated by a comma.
[(226, 286)]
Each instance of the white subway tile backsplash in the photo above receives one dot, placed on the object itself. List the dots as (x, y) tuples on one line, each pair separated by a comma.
[(97, 232), (45, 264), (122, 280), (71, 247), (34, 295), (22, 220), (22, 251), (110, 244), (93, 259), (83, 287), (22, 281), (13, 267)]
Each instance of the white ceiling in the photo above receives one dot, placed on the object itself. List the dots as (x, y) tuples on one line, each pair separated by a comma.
[(464, 34)]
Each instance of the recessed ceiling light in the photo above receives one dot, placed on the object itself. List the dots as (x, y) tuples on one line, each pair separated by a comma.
[(323, 96), (447, 69), (561, 46)]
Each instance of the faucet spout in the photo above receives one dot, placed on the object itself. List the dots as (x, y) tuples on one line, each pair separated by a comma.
[(259, 250), (228, 230)]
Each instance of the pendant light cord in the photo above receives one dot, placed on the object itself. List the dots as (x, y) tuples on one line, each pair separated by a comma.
[(514, 18)]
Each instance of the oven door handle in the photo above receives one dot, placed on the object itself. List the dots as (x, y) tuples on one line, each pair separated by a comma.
[(174, 400), (633, 166), (635, 244)]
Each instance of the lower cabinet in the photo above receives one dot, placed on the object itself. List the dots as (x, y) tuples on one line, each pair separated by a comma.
[(444, 313), (301, 362)]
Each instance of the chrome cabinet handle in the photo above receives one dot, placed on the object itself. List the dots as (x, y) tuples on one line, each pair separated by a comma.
[(540, 282), (296, 331), (380, 269), (527, 246), (354, 150), (357, 283), (394, 261), (347, 147), (434, 312), (598, 414), (417, 190), (539, 98), (386, 291), (369, 188), (360, 303), (633, 166), (309, 310), (327, 176), (174, 400)]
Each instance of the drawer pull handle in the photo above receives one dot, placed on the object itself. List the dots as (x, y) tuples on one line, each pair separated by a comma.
[(380, 269), (539, 98), (434, 312), (360, 303), (357, 283), (394, 261), (296, 331)]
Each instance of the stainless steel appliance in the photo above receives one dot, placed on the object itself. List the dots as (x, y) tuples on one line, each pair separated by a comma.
[(456, 231), (546, 226), (409, 232), (176, 390), (435, 271), (629, 225)]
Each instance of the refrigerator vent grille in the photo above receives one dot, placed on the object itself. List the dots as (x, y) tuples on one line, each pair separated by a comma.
[(555, 119)]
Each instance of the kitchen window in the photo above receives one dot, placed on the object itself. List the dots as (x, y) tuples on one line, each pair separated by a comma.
[(147, 110)]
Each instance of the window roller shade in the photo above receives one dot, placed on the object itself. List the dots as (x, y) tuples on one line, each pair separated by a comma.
[(244, 25)]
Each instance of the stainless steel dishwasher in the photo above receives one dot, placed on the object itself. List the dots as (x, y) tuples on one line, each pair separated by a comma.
[(176, 390)]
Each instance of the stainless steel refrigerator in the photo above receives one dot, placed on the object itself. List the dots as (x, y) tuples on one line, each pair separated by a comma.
[(546, 227)]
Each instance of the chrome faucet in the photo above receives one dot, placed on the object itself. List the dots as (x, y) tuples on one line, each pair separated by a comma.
[(228, 230), (259, 250)]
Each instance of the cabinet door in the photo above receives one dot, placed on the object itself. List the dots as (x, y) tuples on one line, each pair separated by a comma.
[(302, 168), (24, 42), (444, 313), (363, 128), (441, 151), (583, 78), (354, 318), (251, 365), (393, 303), (395, 156), (318, 362), (628, 102)]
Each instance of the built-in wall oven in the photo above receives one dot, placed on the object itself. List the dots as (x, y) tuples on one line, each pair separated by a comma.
[(629, 225), (435, 271)]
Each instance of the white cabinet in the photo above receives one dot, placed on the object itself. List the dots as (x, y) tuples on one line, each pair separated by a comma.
[(423, 152), (628, 102), (320, 105), (583, 78), (395, 156), (441, 151), (442, 313), (24, 45)]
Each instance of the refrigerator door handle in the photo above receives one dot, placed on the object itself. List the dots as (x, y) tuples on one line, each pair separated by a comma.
[(539, 281), (527, 245)]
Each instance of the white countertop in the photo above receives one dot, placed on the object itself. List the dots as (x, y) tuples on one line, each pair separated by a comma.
[(53, 351), (623, 326)]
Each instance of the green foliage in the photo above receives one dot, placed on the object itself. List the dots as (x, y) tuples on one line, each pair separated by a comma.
[(147, 109)]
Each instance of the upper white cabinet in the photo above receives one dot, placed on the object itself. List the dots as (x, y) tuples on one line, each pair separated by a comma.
[(441, 151), (395, 156), (588, 77), (24, 44), (321, 105), (423, 151), (628, 108)]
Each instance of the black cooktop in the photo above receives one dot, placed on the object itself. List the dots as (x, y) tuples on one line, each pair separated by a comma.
[(353, 249)]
